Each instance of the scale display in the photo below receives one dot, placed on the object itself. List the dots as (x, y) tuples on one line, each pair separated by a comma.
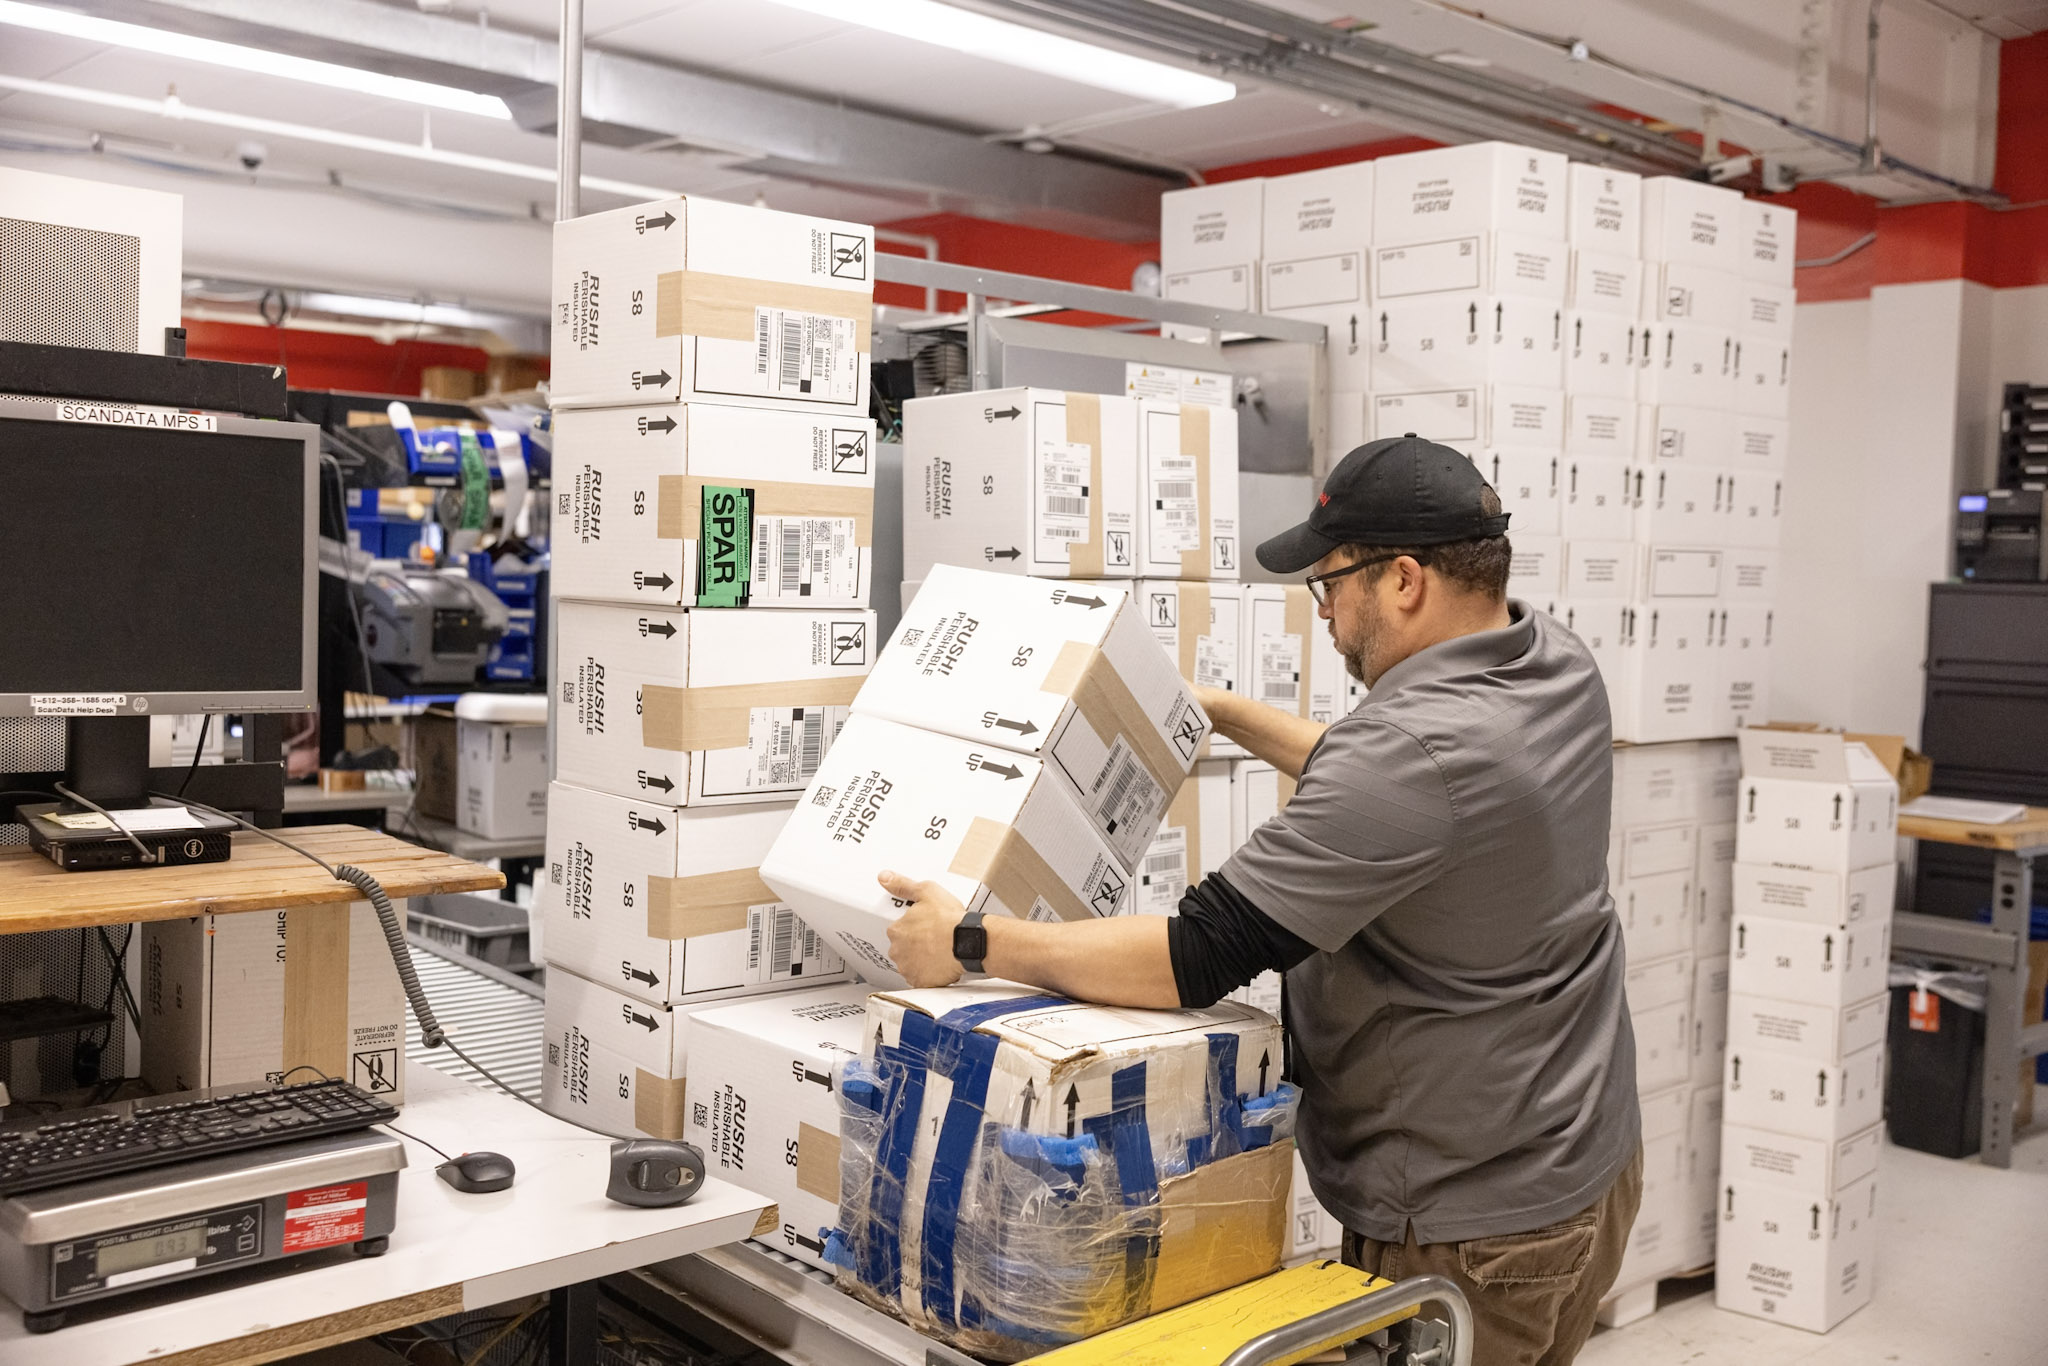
[(147, 1252)]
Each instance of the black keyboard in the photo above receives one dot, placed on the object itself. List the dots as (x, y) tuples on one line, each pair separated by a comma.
[(104, 1140)]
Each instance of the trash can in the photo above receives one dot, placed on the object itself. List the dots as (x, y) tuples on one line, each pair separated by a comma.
[(1934, 1090)]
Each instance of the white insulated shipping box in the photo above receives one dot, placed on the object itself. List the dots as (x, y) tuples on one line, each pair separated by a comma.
[(1829, 1034), (239, 1000), (1794, 1257), (989, 825), (1209, 245), (688, 707), (667, 903), (1692, 222), (1794, 960), (1287, 658), (1481, 187), (689, 298), (1804, 1097), (763, 1104), (610, 1062), (1434, 341), (501, 777), (1187, 491), (1659, 1006), (1815, 800), (1193, 840), (1528, 484), (1318, 225), (1603, 209), (1198, 625), (712, 505), (1070, 675), (1495, 262), (1468, 417), (1027, 481)]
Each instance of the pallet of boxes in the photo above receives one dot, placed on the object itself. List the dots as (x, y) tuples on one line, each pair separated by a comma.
[(1816, 840), (713, 528), (1016, 1170)]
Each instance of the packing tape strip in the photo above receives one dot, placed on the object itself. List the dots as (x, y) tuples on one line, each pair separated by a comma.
[(316, 940), (1194, 442), (679, 503), (817, 1161), (704, 903), (657, 1104), (1080, 673), (699, 304), (1299, 620), (1000, 859), (1084, 424), (1185, 811), (687, 720)]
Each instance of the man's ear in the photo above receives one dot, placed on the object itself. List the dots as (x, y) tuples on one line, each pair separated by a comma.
[(1412, 581)]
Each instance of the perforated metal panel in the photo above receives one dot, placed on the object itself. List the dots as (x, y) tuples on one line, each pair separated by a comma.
[(65, 286)]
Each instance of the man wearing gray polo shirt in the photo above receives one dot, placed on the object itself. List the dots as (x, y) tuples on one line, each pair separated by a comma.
[(1436, 892)]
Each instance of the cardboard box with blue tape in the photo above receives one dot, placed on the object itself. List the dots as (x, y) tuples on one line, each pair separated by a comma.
[(1019, 1171)]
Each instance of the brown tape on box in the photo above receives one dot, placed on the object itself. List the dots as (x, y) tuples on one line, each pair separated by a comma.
[(679, 503), (687, 720), (1003, 861), (316, 988), (657, 1104), (817, 1161), (1194, 620), (1222, 1225), (1194, 442), (1298, 621), (698, 304), (1081, 673), (1084, 424), (704, 903)]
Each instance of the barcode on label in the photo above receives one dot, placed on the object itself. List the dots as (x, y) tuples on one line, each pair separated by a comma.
[(1064, 533), (1283, 692), (812, 746), (1066, 507), (1119, 784), (792, 558), (792, 351), (1179, 488), (760, 343), (783, 943), (1171, 861), (760, 557)]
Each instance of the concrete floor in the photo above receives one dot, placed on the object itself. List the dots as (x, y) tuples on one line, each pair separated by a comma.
[(1962, 1277)]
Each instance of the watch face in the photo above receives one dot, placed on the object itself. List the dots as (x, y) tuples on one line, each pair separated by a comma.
[(970, 943)]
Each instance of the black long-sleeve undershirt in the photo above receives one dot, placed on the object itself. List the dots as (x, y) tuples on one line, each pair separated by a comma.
[(1220, 941)]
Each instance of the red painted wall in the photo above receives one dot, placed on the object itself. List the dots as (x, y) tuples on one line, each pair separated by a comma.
[(329, 360)]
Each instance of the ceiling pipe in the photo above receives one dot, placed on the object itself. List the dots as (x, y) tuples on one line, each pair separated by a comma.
[(569, 115), (1873, 159)]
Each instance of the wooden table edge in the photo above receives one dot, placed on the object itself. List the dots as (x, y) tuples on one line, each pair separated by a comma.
[(328, 1330), (2029, 832)]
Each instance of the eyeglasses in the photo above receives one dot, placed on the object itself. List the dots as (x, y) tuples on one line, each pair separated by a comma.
[(1315, 582)]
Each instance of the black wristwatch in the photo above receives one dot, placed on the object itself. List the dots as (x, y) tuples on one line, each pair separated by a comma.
[(970, 941)]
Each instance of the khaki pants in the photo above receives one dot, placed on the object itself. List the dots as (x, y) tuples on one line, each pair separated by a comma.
[(1533, 1294)]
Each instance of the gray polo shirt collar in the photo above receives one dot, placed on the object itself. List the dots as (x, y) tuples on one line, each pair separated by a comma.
[(1462, 654)]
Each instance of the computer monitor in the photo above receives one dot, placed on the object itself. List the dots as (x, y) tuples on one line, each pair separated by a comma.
[(157, 562)]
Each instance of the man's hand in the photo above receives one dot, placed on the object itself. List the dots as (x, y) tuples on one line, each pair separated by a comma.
[(921, 940)]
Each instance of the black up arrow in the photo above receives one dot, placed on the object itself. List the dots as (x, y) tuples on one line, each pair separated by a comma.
[(1265, 1061), (1472, 320), (1090, 603), (823, 1079), (1354, 330), (1073, 1104), (1827, 950), (661, 580), (1752, 801), (663, 629), (1030, 1099), (658, 380), (1735, 1071), (659, 424), (1008, 771), (665, 784), (816, 1248), (663, 222), (1838, 808), (655, 825), (1816, 1219), (637, 975), (1009, 414), (1823, 1074), (1021, 727), (1742, 933), (1499, 312), (1010, 554), (1383, 328), (1731, 1202), (1669, 338), (1578, 334), (635, 1017)]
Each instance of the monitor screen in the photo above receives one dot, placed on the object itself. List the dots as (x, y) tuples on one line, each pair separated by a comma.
[(1973, 502), (150, 561)]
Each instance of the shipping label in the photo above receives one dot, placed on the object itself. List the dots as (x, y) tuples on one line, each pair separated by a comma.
[(781, 948), (1176, 508), (784, 747), (805, 557), (1163, 877), (805, 356), (1124, 794), (1279, 680), (1063, 495), (1215, 662)]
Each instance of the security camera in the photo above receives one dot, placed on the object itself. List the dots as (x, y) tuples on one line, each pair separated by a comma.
[(251, 154)]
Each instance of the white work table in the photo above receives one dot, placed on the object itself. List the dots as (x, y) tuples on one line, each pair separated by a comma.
[(449, 1252)]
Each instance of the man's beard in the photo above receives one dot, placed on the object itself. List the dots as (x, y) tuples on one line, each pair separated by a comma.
[(1360, 660)]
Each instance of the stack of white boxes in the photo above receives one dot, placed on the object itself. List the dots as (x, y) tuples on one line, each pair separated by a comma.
[(1808, 1004), (714, 485), (1669, 855)]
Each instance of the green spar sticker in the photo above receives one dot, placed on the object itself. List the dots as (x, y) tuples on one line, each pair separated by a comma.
[(725, 543), (476, 484)]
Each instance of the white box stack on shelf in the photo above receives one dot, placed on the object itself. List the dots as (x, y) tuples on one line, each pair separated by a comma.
[(1317, 246), (1471, 261), (1813, 878), (714, 518), (1674, 805)]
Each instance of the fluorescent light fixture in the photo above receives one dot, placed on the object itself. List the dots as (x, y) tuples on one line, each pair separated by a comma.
[(327, 137), (978, 35), (164, 43)]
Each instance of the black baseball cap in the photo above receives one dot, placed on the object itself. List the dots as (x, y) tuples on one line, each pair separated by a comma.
[(1399, 491)]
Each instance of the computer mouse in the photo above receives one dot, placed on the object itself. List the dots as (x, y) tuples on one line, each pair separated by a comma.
[(477, 1173)]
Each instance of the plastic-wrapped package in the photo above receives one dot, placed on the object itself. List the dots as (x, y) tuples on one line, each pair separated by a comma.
[(1018, 1171)]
